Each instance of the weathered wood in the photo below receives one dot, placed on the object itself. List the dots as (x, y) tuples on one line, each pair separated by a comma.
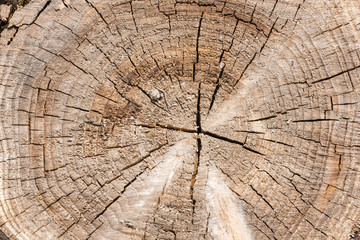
[(179, 119)]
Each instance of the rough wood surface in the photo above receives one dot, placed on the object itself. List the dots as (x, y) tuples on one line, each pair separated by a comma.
[(179, 119)]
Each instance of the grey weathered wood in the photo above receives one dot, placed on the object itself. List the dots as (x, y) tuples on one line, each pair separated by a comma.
[(179, 119)]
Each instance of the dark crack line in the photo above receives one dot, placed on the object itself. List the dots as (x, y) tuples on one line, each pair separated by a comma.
[(198, 37), (116, 66), (156, 210), (151, 100), (69, 29), (198, 151), (169, 127), (297, 10), (121, 193), (198, 113), (207, 226), (317, 229), (169, 24), (111, 100), (194, 71), (94, 231), (68, 228), (197, 47), (331, 30), (200, 131), (251, 22), (121, 94), (39, 13), (278, 142), (272, 11), (262, 119), (144, 157), (232, 40), (246, 131), (133, 164), (56, 201), (27, 24), (315, 120), (133, 17), (106, 207), (193, 178), (124, 146), (260, 229), (217, 86), (3, 236), (163, 69), (140, 88), (268, 37), (131, 61), (214, 135), (245, 69), (172, 232), (68, 61), (264, 224), (44, 156), (338, 74), (223, 172), (98, 12), (261, 49)]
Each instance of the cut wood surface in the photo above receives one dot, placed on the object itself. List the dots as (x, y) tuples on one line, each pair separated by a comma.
[(179, 119)]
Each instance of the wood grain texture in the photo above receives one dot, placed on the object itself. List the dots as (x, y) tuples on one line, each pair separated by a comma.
[(179, 119)]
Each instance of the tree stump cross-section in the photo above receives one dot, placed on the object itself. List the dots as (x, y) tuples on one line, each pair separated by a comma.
[(179, 119)]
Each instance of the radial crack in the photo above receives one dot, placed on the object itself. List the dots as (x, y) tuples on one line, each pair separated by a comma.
[(263, 119), (217, 86), (243, 72), (197, 47), (144, 157), (198, 37), (169, 127), (315, 120), (278, 142), (133, 164), (268, 36), (27, 24), (98, 12), (214, 135), (116, 198), (133, 17), (272, 11), (335, 75), (198, 151), (198, 112)]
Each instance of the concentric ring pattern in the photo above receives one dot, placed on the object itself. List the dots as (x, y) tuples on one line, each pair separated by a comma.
[(180, 119)]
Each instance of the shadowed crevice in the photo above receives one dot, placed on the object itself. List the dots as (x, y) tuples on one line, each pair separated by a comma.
[(218, 84), (169, 127), (198, 151), (3, 236), (214, 135)]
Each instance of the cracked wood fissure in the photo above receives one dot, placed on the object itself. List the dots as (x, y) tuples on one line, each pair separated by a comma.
[(198, 125), (200, 131), (117, 197), (198, 150), (197, 47), (98, 12), (25, 24), (217, 86), (179, 119)]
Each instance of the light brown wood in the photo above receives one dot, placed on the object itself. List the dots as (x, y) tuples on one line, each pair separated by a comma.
[(179, 119)]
